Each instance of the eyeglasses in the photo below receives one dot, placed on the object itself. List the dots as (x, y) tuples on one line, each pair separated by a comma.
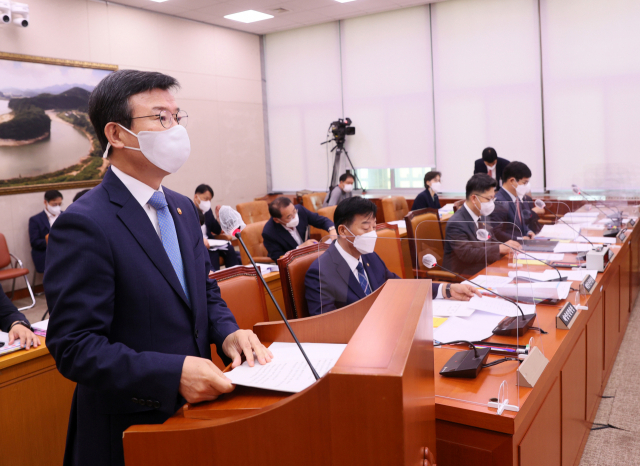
[(166, 118)]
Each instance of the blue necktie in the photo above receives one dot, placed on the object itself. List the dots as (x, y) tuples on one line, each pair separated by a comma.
[(169, 237), (362, 278)]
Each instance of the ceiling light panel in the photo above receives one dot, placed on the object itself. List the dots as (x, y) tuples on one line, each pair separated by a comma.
[(249, 16)]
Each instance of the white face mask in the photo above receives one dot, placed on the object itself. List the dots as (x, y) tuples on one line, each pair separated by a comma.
[(436, 186), (167, 150), (365, 244), (293, 222), (486, 208), (348, 188), (205, 206), (54, 210), (522, 189)]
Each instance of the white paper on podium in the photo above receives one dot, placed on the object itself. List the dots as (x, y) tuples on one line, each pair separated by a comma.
[(572, 247), (543, 256), (288, 371), (451, 308), (500, 306), (596, 239), (548, 275), (476, 327), (544, 290), (488, 281)]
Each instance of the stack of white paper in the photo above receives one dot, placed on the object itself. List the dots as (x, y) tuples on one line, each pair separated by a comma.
[(451, 308), (216, 244), (596, 240), (572, 247), (558, 231), (476, 327), (6, 349), (499, 306), (40, 328), (543, 256), (447, 209), (544, 290), (489, 281), (400, 223), (288, 371), (548, 275)]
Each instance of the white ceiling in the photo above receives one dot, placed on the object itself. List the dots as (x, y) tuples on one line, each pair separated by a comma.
[(300, 12)]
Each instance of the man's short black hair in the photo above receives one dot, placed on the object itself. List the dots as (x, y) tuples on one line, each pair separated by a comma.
[(479, 184), (489, 155), (431, 176), (203, 188), (345, 176), (80, 194), (109, 101), (52, 194), (517, 170), (347, 210), (277, 204)]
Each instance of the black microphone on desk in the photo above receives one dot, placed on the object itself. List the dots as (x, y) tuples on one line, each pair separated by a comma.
[(484, 235), (616, 217), (507, 326), (541, 205), (232, 224)]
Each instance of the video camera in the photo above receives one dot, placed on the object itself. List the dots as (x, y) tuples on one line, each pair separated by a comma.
[(341, 129)]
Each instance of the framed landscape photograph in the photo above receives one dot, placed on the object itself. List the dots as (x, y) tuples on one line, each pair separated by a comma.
[(46, 138)]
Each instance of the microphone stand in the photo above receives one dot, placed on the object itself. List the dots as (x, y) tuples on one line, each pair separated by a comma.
[(315, 374), (559, 219), (617, 218)]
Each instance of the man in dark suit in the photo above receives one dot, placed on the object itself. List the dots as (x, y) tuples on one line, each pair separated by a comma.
[(133, 312), (15, 323), (211, 228), (350, 270), (40, 225), (510, 217), (491, 164), (464, 253), (288, 227), (532, 214)]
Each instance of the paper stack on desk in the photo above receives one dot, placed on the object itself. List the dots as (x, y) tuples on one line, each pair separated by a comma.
[(6, 349), (550, 274), (216, 244), (40, 328), (288, 371), (543, 290), (476, 327)]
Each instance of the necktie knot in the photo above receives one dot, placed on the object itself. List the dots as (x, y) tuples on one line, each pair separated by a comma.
[(360, 268), (158, 201)]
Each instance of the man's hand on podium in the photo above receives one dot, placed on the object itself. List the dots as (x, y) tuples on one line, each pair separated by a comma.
[(201, 380), (247, 342)]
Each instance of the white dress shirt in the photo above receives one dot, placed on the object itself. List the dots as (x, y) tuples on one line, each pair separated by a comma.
[(352, 262), (142, 193), (52, 218), (294, 233), (473, 215)]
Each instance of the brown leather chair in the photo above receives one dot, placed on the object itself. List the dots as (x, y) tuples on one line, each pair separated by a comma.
[(424, 234), (293, 268), (15, 271), (394, 208), (252, 237), (313, 201), (317, 233), (243, 292), (389, 248), (253, 212), (457, 205)]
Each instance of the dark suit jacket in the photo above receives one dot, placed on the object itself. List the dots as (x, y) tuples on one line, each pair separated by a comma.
[(278, 241), (8, 312), (530, 217), (506, 224), (38, 230), (463, 253), (229, 255), (480, 167), (120, 323), (424, 200), (330, 284)]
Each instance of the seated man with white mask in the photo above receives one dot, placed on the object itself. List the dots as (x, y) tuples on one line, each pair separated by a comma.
[(211, 228), (288, 227), (350, 269), (511, 215), (40, 226), (344, 190), (464, 253)]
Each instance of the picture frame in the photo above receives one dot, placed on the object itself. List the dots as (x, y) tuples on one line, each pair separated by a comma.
[(69, 136)]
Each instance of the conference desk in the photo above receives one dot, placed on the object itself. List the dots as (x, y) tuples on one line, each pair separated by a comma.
[(553, 423), (35, 400)]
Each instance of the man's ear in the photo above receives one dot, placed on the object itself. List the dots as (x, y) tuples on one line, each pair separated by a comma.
[(113, 133)]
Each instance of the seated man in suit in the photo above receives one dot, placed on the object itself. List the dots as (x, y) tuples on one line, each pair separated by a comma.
[(288, 227), (40, 225), (15, 323), (509, 219), (463, 252), (349, 270), (491, 164), (211, 228), (429, 197), (532, 214), (342, 191)]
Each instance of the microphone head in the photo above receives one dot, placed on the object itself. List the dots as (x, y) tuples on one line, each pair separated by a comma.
[(575, 189), (482, 234), (540, 204), (230, 220), (429, 261)]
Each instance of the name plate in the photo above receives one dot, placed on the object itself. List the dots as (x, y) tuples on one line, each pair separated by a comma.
[(566, 317), (631, 222), (587, 285), (621, 236), (531, 368)]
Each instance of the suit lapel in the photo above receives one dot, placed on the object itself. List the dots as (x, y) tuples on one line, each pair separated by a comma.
[(286, 236), (345, 273)]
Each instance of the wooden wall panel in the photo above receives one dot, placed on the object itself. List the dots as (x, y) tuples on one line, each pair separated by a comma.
[(595, 363), (460, 444), (541, 444), (625, 290), (574, 380), (611, 319)]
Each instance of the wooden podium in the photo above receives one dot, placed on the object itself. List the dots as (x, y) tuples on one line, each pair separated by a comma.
[(375, 407)]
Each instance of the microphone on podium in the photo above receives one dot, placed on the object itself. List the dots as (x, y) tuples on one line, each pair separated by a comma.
[(617, 217), (541, 205), (232, 224), (509, 325)]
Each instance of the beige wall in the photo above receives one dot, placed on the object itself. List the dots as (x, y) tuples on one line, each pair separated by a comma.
[(219, 70)]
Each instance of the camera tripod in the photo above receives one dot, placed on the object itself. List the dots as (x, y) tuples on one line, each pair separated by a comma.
[(337, 166)]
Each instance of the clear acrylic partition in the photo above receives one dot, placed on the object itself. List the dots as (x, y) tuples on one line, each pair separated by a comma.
[(332, 284)]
